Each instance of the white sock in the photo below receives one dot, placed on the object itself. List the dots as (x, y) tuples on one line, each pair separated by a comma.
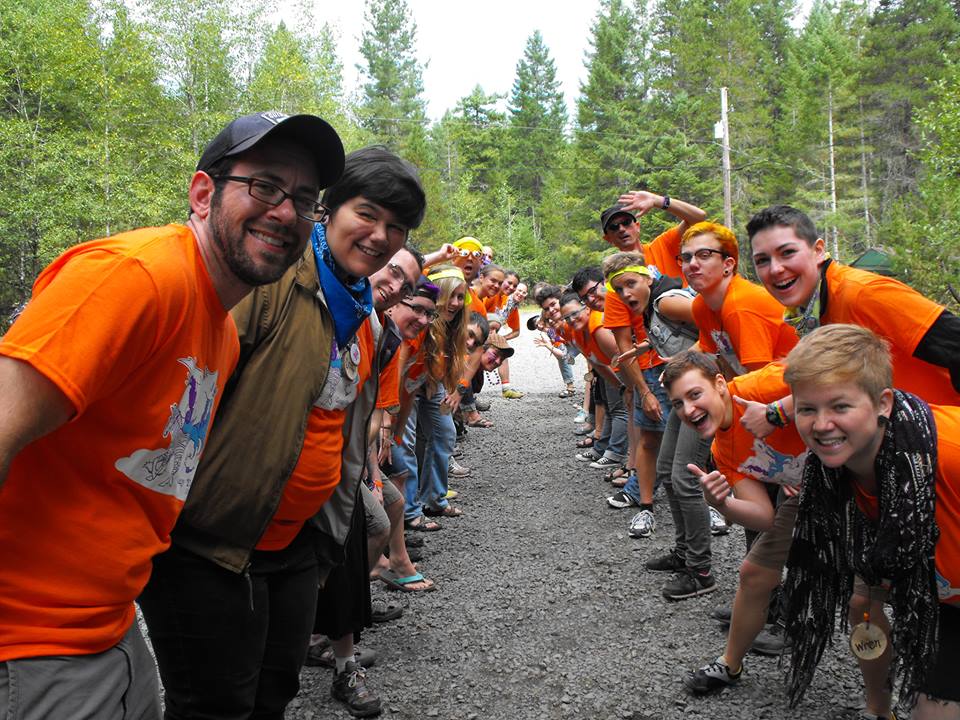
[(342, 662), (504, 387)]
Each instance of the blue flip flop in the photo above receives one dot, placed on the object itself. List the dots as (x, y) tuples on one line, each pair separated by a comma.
[(390, 579)]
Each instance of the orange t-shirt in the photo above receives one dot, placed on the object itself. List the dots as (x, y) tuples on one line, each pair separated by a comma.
[(662, 254), (414, 372), (896, 312), (497, 302), (475, 303), (133, 333), (778, 458), (947, 486), (388, 395), (748, 329), (587, 343), (317, 472)]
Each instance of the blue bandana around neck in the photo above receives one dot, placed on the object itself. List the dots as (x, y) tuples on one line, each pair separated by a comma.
[(349, 305)]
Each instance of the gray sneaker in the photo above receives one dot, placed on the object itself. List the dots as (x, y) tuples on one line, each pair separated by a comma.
[(718, 523), (642, 525), (457, 470), (350, 688), (772, 640), (688, 583), (672, 561), (712, 676)]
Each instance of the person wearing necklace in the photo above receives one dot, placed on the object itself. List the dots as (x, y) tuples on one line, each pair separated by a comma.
[(878, 519), (792, 263)]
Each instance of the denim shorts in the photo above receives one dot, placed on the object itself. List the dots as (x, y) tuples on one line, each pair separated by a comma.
[(640, 419)]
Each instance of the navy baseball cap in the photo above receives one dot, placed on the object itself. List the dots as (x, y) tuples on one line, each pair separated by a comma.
[(610, 212), (314, 134)]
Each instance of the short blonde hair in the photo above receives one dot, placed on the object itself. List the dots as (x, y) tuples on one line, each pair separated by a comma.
[(619, 261), (839, 354), (724, 235)]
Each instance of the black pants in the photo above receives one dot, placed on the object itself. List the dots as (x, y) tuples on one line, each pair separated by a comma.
[(231, 646)]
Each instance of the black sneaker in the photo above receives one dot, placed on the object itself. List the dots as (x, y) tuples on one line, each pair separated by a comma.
[(772, 640), (688, 583), (722, 614), (671, 562), (350, 688), (713, 676)]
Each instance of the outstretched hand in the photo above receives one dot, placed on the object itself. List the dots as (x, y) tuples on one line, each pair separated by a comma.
[(716, 489), (754, 417), (640, 202)]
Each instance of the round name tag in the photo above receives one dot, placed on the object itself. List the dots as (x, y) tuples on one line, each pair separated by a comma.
[(355, 353), (867, 641)]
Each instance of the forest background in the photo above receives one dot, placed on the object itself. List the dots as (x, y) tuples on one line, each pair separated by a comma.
[(853, 116)]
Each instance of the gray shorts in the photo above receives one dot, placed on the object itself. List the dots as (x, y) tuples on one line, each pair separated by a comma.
[(771, 548), (377, 521), (117, 684)]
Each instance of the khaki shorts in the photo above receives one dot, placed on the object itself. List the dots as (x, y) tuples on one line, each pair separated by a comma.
[(119, 683), (771, 548), (377, 521)]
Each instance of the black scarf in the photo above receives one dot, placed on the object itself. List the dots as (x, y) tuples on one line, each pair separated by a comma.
[(833, 540)]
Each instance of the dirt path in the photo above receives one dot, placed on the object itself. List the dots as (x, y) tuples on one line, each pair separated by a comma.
[(544, 609)]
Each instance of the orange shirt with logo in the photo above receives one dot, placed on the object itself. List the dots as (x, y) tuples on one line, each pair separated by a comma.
[(748, 329), (896, 312), (778, 458), (132, 332), (317, 472), (947, 513)]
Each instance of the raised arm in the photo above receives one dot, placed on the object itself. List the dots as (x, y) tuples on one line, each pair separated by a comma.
[(641, 202)]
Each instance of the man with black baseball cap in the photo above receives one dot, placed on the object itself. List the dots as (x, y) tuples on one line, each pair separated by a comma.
[(111, 379)]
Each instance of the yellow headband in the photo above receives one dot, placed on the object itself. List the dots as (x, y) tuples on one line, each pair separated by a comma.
[(639, 269), (455, 273)]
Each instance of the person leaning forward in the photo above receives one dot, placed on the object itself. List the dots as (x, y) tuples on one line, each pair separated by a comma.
[(230, 607), (111, 378)]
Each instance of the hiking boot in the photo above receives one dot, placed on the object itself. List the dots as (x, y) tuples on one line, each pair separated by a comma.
[(671, 562), (621, 500), (718, 523), (722, 614), (350, 688), (482, 405), (642, 525), (772, 640), (512, 394), (321, 655), (713, 676), (688, 583), (588, 455), (457, 470)]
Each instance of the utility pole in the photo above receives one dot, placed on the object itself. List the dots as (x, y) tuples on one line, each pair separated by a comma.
[(725, 128)]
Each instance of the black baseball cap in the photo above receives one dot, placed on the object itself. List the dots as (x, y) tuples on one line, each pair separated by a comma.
[(607, 215), (314, 134), (505, 352)]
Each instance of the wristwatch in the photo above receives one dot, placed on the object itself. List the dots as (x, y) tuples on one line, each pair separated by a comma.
[(774, 417), (666, 202)]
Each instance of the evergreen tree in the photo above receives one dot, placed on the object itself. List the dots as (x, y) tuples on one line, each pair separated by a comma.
[(392, 109), (538, 117)]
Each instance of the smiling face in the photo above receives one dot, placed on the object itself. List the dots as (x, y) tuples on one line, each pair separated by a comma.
[(411, 316), (576, 315), (490, 359), (474, 336), (520, 294), (363, 236), (455, 303), (634, 289), (509, 284), (490, 284), (787, 265), (623, 232), (257, 242), (839, 422), (702, 402), (551, 306), (394, 281), (593, 294), (705, 269)]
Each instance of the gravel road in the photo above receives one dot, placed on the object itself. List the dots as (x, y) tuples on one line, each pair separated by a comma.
[(543, 608)]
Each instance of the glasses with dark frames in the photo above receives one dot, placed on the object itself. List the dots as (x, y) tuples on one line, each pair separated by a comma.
[(703, 254), (267, 192), (591, 291), (406, 287), (420, 311)]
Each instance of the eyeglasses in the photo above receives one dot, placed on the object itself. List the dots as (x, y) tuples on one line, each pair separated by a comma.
[(591, 291), (307, 208), (703, 254), (421, 312), (475, 254), (406, 287), (570, 316), (625, 223)]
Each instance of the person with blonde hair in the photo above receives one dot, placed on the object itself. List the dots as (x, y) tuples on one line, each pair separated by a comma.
[(430, 391), (879, 518)]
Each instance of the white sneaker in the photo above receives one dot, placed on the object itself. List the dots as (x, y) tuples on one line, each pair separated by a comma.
[(580, 418), (642, 525), (718, 523)]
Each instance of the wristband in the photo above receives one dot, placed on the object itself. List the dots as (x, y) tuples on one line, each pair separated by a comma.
[(776, 415), (666, 202)]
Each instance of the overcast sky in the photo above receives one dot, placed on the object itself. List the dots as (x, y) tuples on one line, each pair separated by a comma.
[(462, 44)]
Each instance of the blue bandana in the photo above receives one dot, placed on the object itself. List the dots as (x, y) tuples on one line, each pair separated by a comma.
[(349, 305)]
